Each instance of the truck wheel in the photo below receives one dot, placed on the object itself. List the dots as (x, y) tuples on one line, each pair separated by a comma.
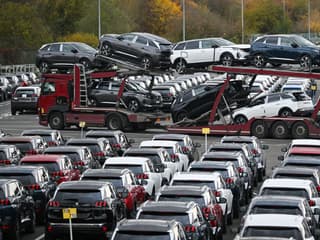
[(114, 122), (56, 121), (280, 130), (259, 129), (299, 130)]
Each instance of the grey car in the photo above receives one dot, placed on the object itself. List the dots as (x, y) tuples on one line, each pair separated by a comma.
[(60, 54)]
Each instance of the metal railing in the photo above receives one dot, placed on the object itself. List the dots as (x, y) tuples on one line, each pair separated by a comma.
[(19, 68)]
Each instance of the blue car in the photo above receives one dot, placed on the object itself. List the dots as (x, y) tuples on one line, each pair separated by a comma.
[(284, 48)]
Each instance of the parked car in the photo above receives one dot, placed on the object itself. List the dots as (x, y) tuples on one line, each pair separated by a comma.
[(16, 209), (25, 98), (36, 180), (27, 145), (120, 178), (51, 137), (98, 209), (134, 97), (206, 51), (301, 161), (145, 49), (168, 94), (284, 48), (9, 155), (5, 89), (59, 53)]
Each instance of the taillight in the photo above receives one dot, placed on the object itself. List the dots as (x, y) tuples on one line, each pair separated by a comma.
[(142, 176), (33, 95), (190, 228), (34, 187), (116, 145), (240, 170), (185, 149), (51, 143), (57, 174), (49, 228), (6, 161), (206, 212), (174, 156), (78, 163), (31, 152), (99, 154), (254, 151), (104, 229), (217, 194), (229, 181), (312, 203), (54, 204), (5, 202), (318, 188), (101, 204), (213, 223)]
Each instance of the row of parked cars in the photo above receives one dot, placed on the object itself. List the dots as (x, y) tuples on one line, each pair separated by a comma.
[(152, 51), (109, 181)]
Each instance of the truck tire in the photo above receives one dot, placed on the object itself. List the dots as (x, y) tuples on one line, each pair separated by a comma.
[(259, 129), (56, 121), (280, 130), (299, 130), (114, 122)]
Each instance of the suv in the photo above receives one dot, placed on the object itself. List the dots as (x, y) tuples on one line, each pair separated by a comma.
[(284, 48), (206, 51), (28, 145), (120, 178), (187, 213), (36, 180), (9, 154), (16, 209), (98, 209), (50, 136), (146, 49), (59, 53), (134, 97), (58, 166), (25, 98), (149, 229)]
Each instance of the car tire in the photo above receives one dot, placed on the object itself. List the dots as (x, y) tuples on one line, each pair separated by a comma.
[(106, 49), (85, 62), (259, 129), (259, 60), (180, 116), (180, 65), (240, 119), (227, 59), (43, 67), (133, 105), (114, 122), (56, 121), (305, 61), (299, 130), (285, 112), (146, 62), (280, 130), (13, 112)]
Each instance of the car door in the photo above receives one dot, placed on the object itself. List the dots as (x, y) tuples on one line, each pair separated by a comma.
[(68, 53), (255, 108), (271, 47), (206, 51), (141, 46), (272, 105), (101, 93), (125, 45), (191, 52), (288, 49), (53, 55)]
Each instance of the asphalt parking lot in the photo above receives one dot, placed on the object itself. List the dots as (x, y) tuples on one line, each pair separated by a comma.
[(15, 124)]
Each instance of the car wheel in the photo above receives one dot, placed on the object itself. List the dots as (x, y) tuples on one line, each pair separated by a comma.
[(146, 62), (280, 130), (85, 62), (106, 49), (240, 119), (227, 59), (258, 129), (134, 105), (43, 67), (285, 112), (305, 61), (299, 130), (13, 112), (181, 65), (56, 121), (259, 61), (181, 115)]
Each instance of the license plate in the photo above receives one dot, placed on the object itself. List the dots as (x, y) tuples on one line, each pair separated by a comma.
[(24, 95)]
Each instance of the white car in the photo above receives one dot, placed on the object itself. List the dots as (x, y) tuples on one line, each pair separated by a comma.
[(213, 180), (174, 150), (206, 51), (275, 225), (314, 143), (269, 105), (141, 167)]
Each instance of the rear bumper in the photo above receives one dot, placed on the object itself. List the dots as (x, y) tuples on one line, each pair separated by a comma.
[(24, 105)]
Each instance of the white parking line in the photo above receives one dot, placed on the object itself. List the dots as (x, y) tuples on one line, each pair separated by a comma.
[(40, 237)]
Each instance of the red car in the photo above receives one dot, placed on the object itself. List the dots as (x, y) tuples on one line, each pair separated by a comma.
[(59, 167), (304, 151), (120, 178)]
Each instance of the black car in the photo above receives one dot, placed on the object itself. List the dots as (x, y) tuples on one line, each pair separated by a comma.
[(36, 180), (134, 97), (17, 211), (168, 94), (98, 209), (145, 49), (25, 98), (284, 48), (196, 226), (53, 54), (50, 136), (9, 154)]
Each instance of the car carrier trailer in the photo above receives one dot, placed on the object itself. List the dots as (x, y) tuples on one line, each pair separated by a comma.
[(64, 102), (261, 127)]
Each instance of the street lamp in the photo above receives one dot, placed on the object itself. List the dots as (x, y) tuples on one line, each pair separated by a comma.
[(309, 13), (99, 18), (242, 22), (183, 20)]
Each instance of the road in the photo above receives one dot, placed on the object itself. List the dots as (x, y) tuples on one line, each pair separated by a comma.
[(15, 124)]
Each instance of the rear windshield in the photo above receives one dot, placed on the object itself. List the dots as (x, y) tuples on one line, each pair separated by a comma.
[(116, 181), (80, 196), (223, 172), (169, 149), (51, 167), (135, 235), (20, 92), (272, 232), (182, 198), (22, 146), (292, 210), (155, 158), (74, 156), (136, 169), (3, 155), (286, 192), (297, 176), (303, 164), (25, 179), (210, 184), (180, 217), (93, 147), (224, 160)]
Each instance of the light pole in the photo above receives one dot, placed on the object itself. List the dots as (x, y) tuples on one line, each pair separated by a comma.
[(99, 18), (183, 20), (242, 22), (309, 13)]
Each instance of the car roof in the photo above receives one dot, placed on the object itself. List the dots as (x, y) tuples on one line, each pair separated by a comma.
[(17, 138), (160, 143), (213, 155), (301, 160), (227, 146), (64, 149), (5, 146), (270, 220), (4, 181), (305, 142), (286, 183), (38, 131), (90, 185), (167, 206), (19, 169), (127, 160), (183, 190), (42, 158), (144, 150), (104, 132), (145, 225), (105, 172), (196, 176), (169, 136), (239, 138), (83, 140), (295, 170), (276, 201), (305, 150), (222, 165), (157, 38)]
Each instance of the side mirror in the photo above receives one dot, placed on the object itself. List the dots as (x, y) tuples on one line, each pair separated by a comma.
[(280, 158), (197, 145), (222, 200), (294, 45), (265, 147), (215, 46), (122, 192)]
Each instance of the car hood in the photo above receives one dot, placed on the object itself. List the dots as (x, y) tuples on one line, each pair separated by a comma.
[(240, 46)]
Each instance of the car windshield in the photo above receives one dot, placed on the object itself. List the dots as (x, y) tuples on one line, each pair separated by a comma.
[(267, 209), (194, 183), (301, 41), (85, 47), (3, 155), (182, 198), (223, 172), (25, 179), (80, 196), (135, 235), (297, 176), (50, 166), (297, 192), (180, 217), (291, 89), (272, 232), (116, 181), (136, 169)]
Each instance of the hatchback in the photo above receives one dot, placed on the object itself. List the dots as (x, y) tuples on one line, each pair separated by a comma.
[(25, 98)]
